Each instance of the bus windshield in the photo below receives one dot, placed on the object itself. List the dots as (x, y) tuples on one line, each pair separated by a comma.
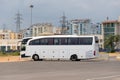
[(23, 43)]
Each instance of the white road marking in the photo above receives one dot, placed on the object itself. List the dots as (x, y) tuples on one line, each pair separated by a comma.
[(99, 78)]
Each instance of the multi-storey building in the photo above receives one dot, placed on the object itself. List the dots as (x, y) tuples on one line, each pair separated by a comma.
[(96, 29), (9, 40), (42, 29), (83, 27), (79, 27), (111, 27)]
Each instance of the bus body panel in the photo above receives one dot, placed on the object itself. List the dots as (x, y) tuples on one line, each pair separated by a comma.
[(60, 52), (56, 52)]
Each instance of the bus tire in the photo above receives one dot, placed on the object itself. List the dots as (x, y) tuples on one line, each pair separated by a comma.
[(35, 57), (74, 57)]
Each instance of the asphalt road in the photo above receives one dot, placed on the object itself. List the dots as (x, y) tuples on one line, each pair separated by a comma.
[(60, 70)]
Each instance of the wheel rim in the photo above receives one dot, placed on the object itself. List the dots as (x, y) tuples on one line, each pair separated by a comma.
[(73, 58), (36, 57)]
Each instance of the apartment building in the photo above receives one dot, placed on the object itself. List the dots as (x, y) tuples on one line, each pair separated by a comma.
[(9, 40), (83, 27), (42, 29), (111, 27)]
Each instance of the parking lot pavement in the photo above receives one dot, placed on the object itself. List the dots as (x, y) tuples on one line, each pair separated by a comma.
[(112, 77), (60, 70)]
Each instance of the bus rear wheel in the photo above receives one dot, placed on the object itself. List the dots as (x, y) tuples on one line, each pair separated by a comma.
[(35, 57), (74, 58)]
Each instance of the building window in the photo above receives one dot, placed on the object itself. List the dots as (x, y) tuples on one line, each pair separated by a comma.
[(112, 24)]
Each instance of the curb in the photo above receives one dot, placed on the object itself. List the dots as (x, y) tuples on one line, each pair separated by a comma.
[(118, 57)]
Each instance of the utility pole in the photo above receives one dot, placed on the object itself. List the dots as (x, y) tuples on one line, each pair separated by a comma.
[(63, 22), (18, 22), (31, 6)]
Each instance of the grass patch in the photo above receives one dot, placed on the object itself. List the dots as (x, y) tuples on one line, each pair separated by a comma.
[(16, 53)]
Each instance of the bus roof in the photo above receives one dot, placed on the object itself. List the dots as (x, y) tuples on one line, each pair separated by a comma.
[(50, 36), (27, 38)]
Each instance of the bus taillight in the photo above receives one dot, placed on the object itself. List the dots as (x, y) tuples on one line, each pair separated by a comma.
[(94, 53)]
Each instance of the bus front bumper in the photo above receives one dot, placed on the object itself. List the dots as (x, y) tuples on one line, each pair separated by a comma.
[(23, 56)]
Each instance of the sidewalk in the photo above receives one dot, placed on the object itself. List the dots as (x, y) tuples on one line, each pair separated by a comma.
[(13, 59), (109, 56)]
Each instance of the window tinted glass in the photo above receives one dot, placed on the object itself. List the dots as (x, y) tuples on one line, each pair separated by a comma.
[(73, 41), (85, 41), (56, 41), (50, 41), (62, 41), (43, 41), (34, 42), (25, 40)]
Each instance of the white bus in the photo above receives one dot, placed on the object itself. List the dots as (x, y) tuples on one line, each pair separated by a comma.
[(59, 47), (23, 46)]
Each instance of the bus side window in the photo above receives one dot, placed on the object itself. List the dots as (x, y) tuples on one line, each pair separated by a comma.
[(50, 41), (34, 42), (64, 41), (31, 43), (56, 41), (85, 41), (41, 41), (44, 41), (72, 41), (37, 42)]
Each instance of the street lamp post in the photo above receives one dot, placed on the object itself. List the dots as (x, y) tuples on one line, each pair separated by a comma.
[(31, 6)]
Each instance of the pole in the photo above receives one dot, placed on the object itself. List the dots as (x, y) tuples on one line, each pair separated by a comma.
[(31, 6)]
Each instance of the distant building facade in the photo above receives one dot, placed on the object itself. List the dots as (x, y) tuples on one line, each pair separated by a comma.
[(111, 27), (42, 29), (9, 40), (83, 27), (79, 27), (57, 30)]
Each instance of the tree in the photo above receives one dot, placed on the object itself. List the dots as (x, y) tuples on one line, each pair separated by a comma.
[(117, 41), (111, 42)]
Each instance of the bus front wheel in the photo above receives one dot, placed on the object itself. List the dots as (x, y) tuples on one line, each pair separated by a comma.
[(35, 57), (74, 57)]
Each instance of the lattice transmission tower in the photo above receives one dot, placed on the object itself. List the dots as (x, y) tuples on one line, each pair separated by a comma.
[(18, 22), (63, 22)]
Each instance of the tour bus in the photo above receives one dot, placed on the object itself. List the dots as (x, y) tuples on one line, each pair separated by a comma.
[(62, 47), (23, 46)]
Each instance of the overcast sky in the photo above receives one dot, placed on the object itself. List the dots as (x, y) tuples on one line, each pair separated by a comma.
[(52, 10)]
